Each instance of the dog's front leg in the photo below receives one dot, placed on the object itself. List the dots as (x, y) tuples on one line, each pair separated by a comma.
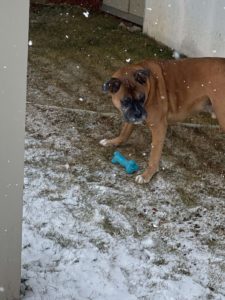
[(122, 138), (158, 138)]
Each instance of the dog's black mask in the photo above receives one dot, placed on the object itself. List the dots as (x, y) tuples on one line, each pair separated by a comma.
[(133, 109), (132, 105)]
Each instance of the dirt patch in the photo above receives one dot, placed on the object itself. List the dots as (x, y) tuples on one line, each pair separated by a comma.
[(164, 239)]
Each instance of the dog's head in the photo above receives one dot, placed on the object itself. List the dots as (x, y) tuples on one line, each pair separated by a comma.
[(129, 88)]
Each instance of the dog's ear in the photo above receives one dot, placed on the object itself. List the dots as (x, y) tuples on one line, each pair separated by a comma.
[(142, 75), (112, 85)]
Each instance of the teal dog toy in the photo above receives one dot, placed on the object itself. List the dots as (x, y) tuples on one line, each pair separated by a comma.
[(129, 165)]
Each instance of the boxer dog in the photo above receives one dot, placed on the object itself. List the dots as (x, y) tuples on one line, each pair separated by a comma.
[(160, 92)]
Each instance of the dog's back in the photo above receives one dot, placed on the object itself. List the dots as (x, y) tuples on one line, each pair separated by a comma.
[(194, 84)]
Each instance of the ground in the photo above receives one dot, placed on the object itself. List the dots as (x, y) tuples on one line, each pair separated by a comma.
[(89, 231)]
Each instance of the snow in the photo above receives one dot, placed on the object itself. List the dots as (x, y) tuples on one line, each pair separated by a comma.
[(176, 54), (86, 14), (79, 241)]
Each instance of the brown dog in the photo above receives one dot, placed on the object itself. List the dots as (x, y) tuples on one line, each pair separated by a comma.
[(161, 92)]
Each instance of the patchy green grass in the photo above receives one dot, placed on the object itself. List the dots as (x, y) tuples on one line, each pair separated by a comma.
[(72, 56), (97, 40)]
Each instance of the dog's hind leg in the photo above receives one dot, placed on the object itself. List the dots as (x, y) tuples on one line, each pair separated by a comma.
[(218, 104), (220, 115)]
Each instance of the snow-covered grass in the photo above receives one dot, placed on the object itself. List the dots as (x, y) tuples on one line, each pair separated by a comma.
[(89, 231)]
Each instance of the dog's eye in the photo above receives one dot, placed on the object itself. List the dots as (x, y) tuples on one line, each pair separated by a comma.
[(141, 76), (113, 85)]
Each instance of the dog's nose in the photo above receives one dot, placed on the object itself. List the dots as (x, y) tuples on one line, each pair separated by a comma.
[(126, 101), (137, 112)]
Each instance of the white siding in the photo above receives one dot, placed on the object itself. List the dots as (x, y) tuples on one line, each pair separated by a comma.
[(195, 28)]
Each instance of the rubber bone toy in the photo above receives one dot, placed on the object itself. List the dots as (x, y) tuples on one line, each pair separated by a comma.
[(129, 165)]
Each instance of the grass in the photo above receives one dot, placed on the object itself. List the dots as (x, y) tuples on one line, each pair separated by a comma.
[(94, 40), (64, 39)]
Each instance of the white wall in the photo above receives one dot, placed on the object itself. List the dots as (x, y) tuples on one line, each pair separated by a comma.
[(193, 27), (137, 7), (14, 16), (121, 5), (131, 10)]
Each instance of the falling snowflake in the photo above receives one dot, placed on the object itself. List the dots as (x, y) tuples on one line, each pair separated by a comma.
[(30, 43), (86, 14)]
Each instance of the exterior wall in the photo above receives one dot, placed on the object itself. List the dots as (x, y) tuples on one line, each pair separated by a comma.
[(118, 4), (130, 10), (195, 28), (137, 7), (14, 17)]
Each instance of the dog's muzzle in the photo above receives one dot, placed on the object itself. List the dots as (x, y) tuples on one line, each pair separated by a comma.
[(133, 109)]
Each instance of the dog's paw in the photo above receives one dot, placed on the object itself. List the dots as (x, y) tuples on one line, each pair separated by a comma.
[(104, 142), (141, 180)]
